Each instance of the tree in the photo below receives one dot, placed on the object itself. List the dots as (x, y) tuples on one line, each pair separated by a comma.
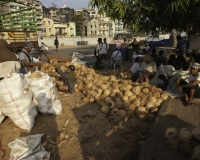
[(146, 15)]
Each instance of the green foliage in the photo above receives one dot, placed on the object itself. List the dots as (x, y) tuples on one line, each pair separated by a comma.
[(145, 15)]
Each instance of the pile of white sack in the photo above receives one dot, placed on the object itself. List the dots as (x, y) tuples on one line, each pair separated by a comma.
[(16, 101), (44, 93), (19, 97)]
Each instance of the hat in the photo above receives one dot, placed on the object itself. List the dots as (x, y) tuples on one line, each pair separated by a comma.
[(28, 45), (148, 57), (71, 67), (117, 47), (7, 55), (195, 66)]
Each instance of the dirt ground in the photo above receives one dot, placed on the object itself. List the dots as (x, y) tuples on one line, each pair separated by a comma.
[(82, 133)]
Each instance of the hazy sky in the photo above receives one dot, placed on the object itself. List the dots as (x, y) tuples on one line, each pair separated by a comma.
[(76, 4)]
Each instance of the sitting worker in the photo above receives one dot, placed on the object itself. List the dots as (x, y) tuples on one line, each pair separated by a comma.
[(116, 56), (26, 59), (148, 69), (68, 77), (192, 89), (8, 60), (172, 81), (173, 61), (135, 68)]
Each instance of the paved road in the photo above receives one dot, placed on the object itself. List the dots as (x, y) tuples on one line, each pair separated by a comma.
[(66, 52)]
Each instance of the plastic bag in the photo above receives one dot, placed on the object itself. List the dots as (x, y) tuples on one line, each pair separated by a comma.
[(28, 148)]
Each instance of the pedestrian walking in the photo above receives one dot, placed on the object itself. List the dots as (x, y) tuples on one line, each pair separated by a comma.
[(56, 43)]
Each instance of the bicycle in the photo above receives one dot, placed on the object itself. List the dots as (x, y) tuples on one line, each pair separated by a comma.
[(44, 49)]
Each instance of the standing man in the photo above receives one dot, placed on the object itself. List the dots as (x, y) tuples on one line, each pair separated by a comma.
[(105, 48), (26, 59), (99, 53), (56, 43)]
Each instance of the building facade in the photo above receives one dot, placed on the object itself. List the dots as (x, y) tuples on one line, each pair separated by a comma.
[(56, 28), (67, 14)]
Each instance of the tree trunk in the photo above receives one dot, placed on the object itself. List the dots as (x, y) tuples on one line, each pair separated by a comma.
[(173, 40)]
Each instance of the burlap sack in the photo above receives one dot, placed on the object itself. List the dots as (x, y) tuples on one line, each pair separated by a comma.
[(6, 55), (3, 43)]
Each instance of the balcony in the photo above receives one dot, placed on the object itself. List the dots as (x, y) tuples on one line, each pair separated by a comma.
[(38, 7), (39, 23), (39, 17), (37, 3), (103, 28)]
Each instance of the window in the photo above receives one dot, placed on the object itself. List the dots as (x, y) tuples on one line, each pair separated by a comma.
[(95, 26), (43, 22), (49, 22), (49, 30), (91, 26)]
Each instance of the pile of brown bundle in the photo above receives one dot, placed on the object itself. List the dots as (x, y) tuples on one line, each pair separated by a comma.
[(114, 91), (117, 94), (187, 141)]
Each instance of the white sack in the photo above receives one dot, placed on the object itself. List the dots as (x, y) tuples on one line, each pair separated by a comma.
[(166, 70), (44, 94), (28, 148), (16, 101)]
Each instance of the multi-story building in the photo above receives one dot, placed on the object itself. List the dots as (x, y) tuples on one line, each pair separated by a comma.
[(48, 24), (100, 25), (53, 28), (92, 12), (119, 27), (38, 13), (55, 13), (83, 18), (17, 17), (67, 14), (71, 29)]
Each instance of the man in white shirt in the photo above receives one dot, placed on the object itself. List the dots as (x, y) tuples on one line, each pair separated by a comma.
[(8, 60), (192, 89), (116, 56), (148, 69), (135, 68), (105, 47)]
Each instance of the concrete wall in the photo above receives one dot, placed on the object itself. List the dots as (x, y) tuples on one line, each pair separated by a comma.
[(68, 41), (71, 41)]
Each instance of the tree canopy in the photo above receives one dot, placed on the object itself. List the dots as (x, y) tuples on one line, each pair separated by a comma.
[(146, 15)]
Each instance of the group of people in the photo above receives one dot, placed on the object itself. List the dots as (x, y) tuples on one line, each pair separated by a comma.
[(101, 51), (185, 80)]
